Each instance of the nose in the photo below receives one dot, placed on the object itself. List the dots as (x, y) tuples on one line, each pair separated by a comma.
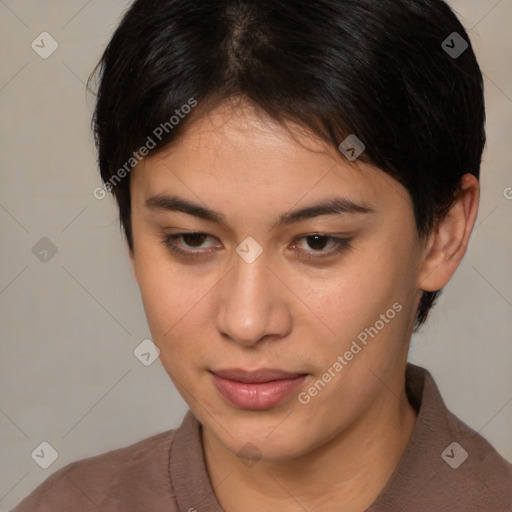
[(253, 304)]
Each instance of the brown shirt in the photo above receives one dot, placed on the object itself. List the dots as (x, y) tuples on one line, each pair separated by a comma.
[(167, 472)]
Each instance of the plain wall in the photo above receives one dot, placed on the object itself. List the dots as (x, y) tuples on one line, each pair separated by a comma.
[(68, 374)]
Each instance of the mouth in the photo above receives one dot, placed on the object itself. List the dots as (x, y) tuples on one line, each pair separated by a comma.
[(256, 390)]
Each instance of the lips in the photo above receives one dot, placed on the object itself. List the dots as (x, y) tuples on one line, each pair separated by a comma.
[(256, 390)]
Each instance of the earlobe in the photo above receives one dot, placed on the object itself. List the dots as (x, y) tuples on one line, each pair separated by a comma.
[(447, 245)]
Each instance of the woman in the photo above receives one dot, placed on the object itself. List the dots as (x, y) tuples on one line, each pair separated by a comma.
[(297, 181)]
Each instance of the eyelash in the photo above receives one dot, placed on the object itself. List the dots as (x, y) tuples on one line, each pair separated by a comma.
[(340, 246)]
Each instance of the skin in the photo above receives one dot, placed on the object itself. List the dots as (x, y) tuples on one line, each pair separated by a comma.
[(285, 311)]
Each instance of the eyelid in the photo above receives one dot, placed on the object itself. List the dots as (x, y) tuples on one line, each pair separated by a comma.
[(340, 245), (168, 242)]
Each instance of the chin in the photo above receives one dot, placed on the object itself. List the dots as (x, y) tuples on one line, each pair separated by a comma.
[(258, 435)]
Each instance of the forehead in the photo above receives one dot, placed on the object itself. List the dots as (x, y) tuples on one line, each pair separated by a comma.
[(238, 157)]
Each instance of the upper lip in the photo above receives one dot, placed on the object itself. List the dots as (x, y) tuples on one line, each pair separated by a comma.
[(256, 376)]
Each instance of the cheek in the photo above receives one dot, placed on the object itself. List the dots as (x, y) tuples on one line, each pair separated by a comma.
[(166, 313), (174, 302), (357, 290), (163, 293), (350, 304)]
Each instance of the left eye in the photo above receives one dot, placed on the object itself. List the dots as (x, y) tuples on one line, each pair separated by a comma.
[(316, 242), (319, 242)]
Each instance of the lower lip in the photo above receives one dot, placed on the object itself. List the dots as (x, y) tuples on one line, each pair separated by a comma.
[(263, 395)]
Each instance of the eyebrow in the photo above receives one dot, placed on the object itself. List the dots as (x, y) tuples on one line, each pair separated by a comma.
[(333, 206)]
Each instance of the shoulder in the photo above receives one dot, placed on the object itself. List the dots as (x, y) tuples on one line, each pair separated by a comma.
[(471, 474), (446, 465), (481, 462), (465, 470), (134, 477)]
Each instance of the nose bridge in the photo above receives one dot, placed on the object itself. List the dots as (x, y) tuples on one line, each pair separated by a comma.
[(247, 312)]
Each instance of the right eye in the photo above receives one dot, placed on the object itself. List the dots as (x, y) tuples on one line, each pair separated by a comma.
[(191, 240)]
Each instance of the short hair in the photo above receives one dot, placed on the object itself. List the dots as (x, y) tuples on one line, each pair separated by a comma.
[(376, 69)]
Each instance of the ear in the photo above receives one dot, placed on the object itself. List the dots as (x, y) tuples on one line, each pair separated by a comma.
[(447, 245)]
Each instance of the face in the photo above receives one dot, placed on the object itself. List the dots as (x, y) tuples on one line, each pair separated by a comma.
[(233, 277)]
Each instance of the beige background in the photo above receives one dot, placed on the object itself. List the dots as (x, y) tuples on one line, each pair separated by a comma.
[(68, 375)]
